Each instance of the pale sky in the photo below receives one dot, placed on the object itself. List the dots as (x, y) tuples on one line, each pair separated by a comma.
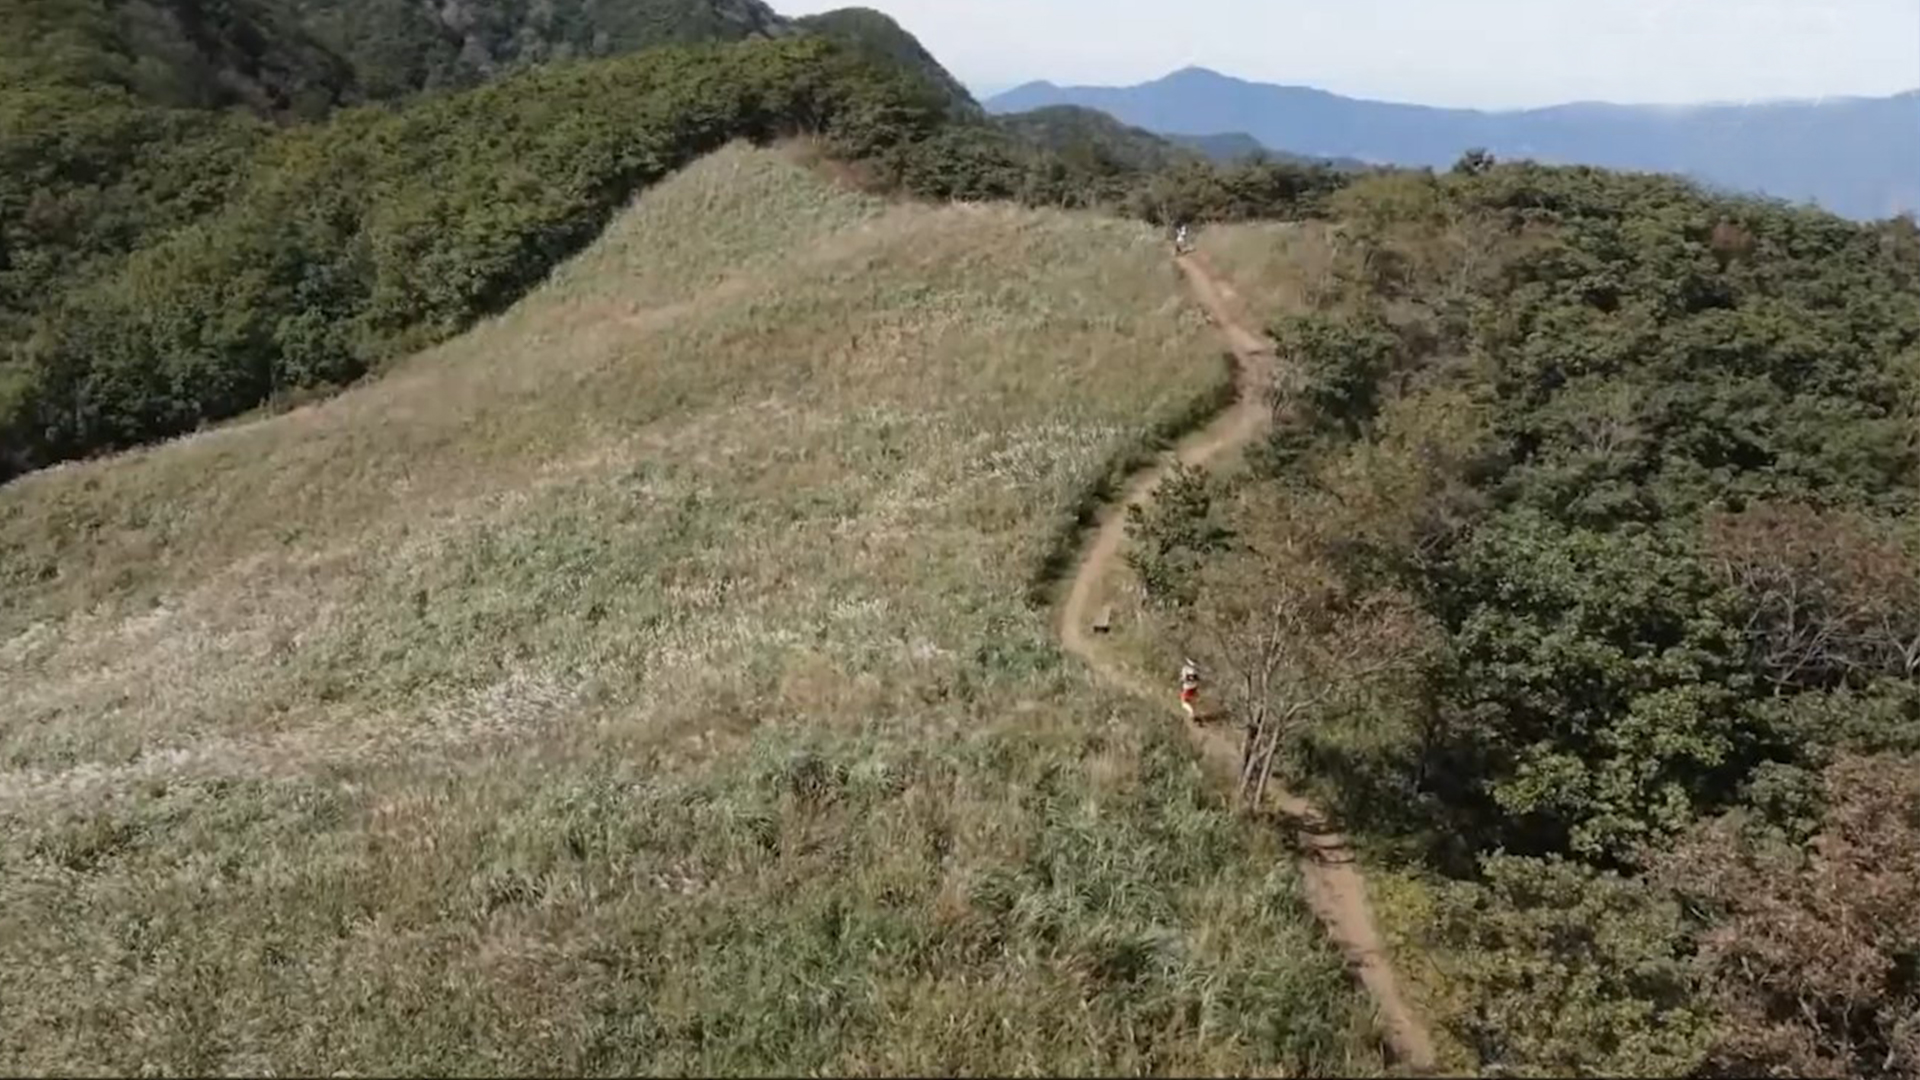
[(1474, 53)]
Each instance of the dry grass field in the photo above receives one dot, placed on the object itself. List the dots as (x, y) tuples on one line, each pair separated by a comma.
[(646, 681)]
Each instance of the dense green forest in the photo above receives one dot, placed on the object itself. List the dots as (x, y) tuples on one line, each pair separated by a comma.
[(1623, 477), (397, 47), (170, 53)]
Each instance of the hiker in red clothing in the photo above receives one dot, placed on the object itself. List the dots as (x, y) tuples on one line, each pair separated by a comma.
[(1189, 686)]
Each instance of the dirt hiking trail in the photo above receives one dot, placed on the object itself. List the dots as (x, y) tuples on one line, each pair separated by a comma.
[(1335, 888)]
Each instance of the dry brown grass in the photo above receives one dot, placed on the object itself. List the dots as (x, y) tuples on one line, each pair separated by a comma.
[(643, 682), (1269, 267)]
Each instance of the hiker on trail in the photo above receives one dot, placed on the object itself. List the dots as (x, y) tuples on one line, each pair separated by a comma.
[(1189, 686), (1182, 239)]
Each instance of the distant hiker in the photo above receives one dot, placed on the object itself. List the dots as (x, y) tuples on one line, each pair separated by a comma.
[(1182, 241), (1189, 686)]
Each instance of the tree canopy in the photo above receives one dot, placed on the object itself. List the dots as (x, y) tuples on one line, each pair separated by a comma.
[(1645, 457)]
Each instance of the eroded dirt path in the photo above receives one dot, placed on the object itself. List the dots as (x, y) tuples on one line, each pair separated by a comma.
[(1335, 886)]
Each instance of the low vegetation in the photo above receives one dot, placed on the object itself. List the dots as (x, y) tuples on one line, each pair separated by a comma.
[(1589, 508), (645, 682)]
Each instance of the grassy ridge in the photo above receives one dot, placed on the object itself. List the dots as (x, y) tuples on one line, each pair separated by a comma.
[(643, 682)]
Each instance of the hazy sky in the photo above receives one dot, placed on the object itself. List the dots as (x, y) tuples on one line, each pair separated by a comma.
[(1481, 53)]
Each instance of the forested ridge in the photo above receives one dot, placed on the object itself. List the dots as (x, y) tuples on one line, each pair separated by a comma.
[(1595, 503), (189, 226)]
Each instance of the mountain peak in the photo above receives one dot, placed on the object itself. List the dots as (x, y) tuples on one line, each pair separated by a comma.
[(1196, 79), (1193, 73), (880, 36)]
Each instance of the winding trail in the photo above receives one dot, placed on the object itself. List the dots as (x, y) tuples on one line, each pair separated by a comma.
[(1335, 887)]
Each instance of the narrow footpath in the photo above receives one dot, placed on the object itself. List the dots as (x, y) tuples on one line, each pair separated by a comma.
[(1335, 886)]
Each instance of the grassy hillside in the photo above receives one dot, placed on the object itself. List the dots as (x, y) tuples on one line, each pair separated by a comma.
[(1589, 524), (173, 259), (169, 267), (644, 682)]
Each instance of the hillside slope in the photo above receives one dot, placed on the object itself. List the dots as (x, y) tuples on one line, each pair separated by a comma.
[(1092, 137), (1856, 157), (645, 682), (398, 46), (173, 53), (172, 267)]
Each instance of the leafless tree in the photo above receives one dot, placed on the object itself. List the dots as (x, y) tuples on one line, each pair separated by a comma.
[(1730, 243), (1829, 596), (1287, 642)]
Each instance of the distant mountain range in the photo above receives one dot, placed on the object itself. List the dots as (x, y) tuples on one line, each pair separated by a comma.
[(1855, 156)]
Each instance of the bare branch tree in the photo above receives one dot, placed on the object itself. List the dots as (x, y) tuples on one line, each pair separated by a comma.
[(1289, 643), (1828, 597)]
